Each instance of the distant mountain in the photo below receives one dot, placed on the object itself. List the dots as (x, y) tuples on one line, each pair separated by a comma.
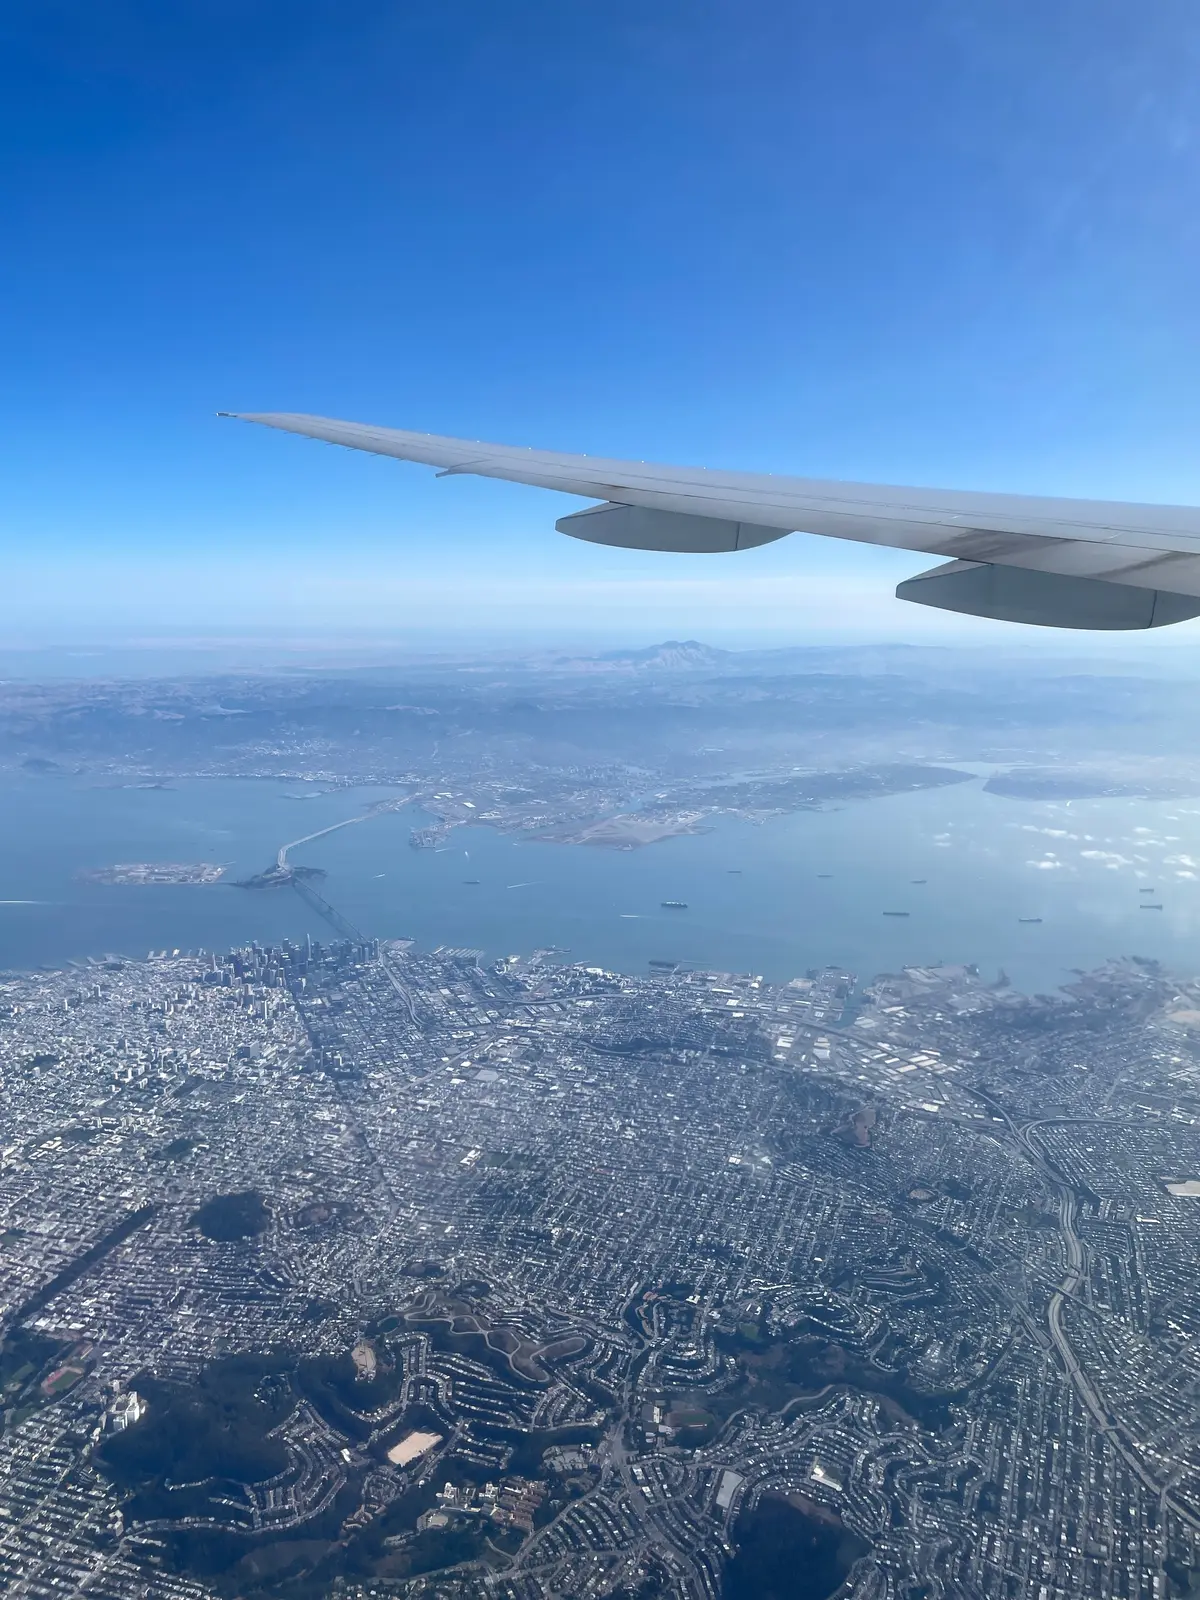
[(673, 655)]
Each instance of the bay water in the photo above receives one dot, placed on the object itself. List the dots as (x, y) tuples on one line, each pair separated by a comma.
[(776, 898)]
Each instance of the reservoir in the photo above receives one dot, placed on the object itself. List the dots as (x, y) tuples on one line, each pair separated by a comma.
[(1035, 888)]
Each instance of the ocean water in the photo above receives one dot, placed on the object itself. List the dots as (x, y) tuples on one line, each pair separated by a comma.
[(775, 898)]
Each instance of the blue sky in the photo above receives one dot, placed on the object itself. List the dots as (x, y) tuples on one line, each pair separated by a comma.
[(927, 242)]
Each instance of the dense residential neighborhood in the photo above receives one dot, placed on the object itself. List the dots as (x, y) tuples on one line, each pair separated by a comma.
[(359, 1263)]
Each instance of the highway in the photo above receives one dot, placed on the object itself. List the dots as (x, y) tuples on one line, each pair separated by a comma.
[(1073, 1280)]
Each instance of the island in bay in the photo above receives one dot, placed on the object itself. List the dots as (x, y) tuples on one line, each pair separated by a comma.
[(155, 872)]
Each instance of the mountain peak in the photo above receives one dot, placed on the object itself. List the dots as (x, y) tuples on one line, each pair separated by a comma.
[(674, 654)]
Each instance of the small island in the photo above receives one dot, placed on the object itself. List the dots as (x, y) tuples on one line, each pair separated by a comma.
[(155, 872)]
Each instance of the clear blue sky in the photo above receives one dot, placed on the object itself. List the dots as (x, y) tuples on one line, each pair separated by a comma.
[(955, 242)]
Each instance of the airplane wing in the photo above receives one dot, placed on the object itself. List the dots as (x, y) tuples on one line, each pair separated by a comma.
[(1019, 558)]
